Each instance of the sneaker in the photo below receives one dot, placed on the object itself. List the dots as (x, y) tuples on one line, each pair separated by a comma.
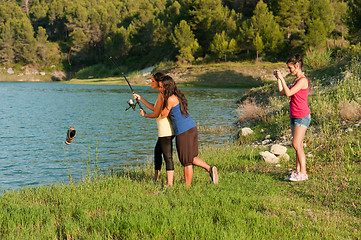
[(70, 135), (293, 175), (213, 174), (299, 177)]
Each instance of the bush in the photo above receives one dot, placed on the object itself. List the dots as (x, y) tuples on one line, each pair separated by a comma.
[(316, 58), (349, 111), (250, 111)]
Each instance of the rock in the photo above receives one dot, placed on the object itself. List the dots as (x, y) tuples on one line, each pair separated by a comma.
[(349, 130), (266, 141), (268, 137), (285, 157), (278, 149), (42, 73), (58, 75), (269, 157), (10, 71), (246, 131)]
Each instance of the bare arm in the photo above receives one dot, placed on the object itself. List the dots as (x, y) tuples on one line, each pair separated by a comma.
[(145, 102), (280, 87), (157, 108), (301, 84), (172, 101)]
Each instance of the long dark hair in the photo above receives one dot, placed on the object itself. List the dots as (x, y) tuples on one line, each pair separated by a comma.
[(297, 58), (157, 76), (171, 88)]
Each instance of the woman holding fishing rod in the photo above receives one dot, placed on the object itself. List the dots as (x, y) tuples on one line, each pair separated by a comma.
[(300, 116), (176, 106), (165, 132)]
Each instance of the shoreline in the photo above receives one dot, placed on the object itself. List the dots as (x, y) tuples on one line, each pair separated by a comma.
[(220, 75)]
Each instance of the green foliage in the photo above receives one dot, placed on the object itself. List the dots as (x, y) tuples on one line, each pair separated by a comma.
[(317, 34), (183, 39), (317, 58), (223, 45), (263, 27), (258, 44), (322, 10), (142, 33), (353, 20), (290, 14)]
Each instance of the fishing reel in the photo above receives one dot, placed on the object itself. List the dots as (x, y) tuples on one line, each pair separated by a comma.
[(131, 104)]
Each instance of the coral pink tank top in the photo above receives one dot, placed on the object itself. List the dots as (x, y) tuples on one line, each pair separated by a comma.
[(298, 103)]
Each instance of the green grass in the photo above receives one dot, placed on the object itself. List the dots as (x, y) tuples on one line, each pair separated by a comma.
[(251, 202)]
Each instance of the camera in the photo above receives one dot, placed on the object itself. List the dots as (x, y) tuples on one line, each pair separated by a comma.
[(274, 73)]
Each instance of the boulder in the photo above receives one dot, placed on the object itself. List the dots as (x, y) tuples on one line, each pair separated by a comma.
[(278, 149), (10, 71), (285, 157), (246, 131), (269, 157)]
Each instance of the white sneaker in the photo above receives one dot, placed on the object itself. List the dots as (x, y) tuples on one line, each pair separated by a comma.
[(299, 177)]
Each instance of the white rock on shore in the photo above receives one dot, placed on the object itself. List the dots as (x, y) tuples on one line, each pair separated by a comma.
[(269, 157), (246, 131), (278, 149)]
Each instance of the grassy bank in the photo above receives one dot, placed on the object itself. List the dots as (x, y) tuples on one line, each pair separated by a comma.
[(251, 202)]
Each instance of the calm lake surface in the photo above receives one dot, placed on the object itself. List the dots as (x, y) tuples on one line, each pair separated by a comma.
[(35, 117)]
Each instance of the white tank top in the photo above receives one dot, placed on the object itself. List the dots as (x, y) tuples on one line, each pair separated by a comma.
[(165, 128)]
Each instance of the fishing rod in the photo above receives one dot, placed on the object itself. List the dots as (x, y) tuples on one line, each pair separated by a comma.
[(130, 101)]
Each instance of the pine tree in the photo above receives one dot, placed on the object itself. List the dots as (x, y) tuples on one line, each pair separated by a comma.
[(291, 14), (7, 39), (223, 45), (353, 20), (184, 40), (265, 26), (317, 34)]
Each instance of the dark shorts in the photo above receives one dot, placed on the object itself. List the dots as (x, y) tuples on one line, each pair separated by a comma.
[(301, 122), (187, 146)]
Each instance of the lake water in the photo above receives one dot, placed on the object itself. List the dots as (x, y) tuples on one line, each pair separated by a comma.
[(35, 117)]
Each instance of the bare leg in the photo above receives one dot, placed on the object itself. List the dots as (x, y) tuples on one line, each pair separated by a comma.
[(298, 135), (298, 166), (156, 175), (170, 175), (188, 174), (200, 163)]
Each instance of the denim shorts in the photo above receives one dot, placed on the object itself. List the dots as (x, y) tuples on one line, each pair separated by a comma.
[(302, 122)]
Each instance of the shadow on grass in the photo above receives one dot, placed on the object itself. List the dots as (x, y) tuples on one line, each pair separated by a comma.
[(224, 79)]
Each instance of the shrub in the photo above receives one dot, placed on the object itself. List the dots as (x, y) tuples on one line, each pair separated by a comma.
[(316, 58), (349, 111), (250, 111)]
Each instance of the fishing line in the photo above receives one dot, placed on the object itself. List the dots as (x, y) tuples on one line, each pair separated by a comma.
[(69, 54)]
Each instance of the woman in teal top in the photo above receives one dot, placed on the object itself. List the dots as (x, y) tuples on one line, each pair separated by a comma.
[(175, 105)]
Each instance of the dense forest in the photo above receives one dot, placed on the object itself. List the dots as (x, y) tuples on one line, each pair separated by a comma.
[(79, 33)]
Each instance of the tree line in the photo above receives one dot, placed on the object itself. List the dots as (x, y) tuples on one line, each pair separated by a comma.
[(79, 33)]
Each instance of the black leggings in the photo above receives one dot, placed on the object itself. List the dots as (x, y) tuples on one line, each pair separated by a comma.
[(164, 146)]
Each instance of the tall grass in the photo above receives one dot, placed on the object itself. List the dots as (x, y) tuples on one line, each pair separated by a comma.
[(316, 58)]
